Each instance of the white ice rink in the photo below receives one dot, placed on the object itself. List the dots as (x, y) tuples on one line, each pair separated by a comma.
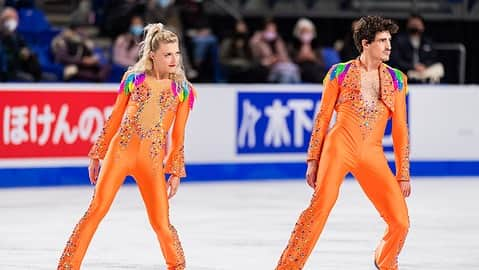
[(241, 226)]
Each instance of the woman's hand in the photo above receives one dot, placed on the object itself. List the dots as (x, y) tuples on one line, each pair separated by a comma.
[(311, 173), (405, 188), (93, 170), (172, 185)]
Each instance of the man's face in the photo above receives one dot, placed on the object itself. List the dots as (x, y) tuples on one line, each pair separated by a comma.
[(380, 47), (9, 20)]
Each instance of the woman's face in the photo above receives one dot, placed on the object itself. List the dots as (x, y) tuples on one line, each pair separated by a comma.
[(241, 27), (306, 34), (306, 31), (166, 58)]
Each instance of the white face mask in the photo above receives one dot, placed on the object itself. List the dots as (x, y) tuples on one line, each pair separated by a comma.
[(11, 24), (415, 41), (269, 35), (306, 37)]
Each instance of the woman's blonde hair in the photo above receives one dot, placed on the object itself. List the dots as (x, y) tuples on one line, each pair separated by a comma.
[(155, 34)]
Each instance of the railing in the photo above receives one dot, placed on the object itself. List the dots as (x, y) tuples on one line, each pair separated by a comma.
[(461, 63), (396, 9)]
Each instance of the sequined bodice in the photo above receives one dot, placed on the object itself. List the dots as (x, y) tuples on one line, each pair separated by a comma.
[(144, 111), (149, 115), (148, 108), (361, 101)]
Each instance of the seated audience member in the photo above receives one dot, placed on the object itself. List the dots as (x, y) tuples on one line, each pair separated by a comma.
[(237, 59), (73, 49), (126, 47), (270, 51), (306, 52), (414, 54), (17, 61)]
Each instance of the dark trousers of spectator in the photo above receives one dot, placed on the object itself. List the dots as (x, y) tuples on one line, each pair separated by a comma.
[(251, 74), (29, 69), (97, 73), (311, 72)]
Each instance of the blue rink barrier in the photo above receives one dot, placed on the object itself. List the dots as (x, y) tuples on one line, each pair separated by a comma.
[(37, 177), (236, 132)]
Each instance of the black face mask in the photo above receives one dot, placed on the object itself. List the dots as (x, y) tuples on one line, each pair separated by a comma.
[(239, 35), (413, 30)]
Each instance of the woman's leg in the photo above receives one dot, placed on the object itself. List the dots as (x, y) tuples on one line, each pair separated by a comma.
[(111, 177), (151, 182)]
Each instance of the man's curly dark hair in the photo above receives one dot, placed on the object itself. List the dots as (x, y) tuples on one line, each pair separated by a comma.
[(367, 27)]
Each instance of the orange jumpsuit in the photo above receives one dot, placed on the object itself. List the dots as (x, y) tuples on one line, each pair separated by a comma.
[(354, 144), (133, 143)]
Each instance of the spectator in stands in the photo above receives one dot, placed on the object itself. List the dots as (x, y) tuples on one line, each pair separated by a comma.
[(237, 59), (414, 53), (117, 15), (84, 13), (168, 13), (17, 61), (73, 49), (165, 11), (126, 47), (306, 52), (201, 40), (346, 48), (270, 51), (18, 4)]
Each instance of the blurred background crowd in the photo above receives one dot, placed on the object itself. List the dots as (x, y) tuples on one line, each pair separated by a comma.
[(236, 41)]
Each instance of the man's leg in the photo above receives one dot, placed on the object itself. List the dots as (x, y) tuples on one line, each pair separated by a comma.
[(332, 169), (381, 187)]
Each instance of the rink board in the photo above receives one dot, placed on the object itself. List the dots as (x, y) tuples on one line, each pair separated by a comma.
[(240, 132)]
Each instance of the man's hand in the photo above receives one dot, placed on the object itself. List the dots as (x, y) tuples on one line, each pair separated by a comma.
[(25, 53), (89, 61), (420, 67)]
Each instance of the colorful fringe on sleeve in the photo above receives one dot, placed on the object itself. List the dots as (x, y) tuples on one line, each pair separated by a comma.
[(184, 91), (339, 70), (397, 77), (130, 82)]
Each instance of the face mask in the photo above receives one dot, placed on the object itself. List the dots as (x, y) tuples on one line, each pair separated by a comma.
[(306, 37), (163, 3), (415, 41), (11, 25), (414, 30), (269, 36), (136, 30), (241, 35)]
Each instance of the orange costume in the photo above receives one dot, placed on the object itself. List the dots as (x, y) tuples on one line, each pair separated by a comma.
[(354, 144), (133, 143)]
